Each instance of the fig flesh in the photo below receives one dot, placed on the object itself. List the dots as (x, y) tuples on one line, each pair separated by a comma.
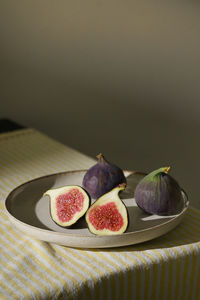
[(67, 204), (159, 193), (102, 178), (108, 214)]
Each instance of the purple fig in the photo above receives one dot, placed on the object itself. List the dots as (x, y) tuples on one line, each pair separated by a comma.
[(102, 178), (159, 193)]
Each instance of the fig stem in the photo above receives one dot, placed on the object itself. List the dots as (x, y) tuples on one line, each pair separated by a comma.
[(161, 170), (167, 169), (155, 173), (100, 157)]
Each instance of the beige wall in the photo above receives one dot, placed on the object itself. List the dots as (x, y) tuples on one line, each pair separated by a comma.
[(120, 77)]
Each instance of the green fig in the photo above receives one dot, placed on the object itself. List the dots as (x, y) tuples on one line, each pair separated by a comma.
[(159, 193)]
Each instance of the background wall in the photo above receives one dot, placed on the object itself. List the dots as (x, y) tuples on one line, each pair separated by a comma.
[(118, 77)]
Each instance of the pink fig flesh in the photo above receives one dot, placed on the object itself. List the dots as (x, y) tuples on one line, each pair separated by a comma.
[(106, 216), (68, 204)]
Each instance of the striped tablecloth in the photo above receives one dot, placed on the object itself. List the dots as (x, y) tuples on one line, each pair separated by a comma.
[(165, 268)]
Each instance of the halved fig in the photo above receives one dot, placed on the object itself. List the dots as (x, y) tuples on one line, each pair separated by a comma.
[(67, 204), (108, 214)]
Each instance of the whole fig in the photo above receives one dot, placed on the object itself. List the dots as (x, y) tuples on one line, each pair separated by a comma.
[(159, 193), (102, 178)]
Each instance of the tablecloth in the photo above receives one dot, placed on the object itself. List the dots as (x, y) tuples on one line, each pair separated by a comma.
[(164, 268)]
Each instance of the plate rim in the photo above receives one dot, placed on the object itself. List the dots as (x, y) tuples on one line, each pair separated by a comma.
[(15, 220)]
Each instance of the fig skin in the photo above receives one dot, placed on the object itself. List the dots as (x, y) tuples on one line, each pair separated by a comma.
[(159, 193), (59, 214), (108, 214), (102, 178)]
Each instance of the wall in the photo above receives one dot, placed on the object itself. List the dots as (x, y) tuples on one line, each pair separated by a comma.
[(118, 77)]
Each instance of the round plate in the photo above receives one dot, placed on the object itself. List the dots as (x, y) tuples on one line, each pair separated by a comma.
[(29, 211)]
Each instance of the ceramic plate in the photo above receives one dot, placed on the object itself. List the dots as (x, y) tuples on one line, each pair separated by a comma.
[(28, 210)]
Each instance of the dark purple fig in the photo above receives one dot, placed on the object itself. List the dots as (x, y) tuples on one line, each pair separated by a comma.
[(102, 178), (159, 193)]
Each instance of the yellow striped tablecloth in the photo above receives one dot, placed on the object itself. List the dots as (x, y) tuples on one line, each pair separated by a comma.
[(165, 268)]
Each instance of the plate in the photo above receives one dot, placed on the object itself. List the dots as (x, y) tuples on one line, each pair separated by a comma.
[(28, 210)]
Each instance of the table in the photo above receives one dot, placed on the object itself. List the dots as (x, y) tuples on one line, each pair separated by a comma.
[(164, 268)]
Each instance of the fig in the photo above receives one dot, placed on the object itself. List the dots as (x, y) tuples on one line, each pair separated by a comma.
[(108, 214), (67, 204), (159, 193), (102, 178)]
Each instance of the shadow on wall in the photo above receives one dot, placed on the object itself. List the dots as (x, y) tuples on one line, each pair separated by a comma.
[(122, 80), (129, 133)]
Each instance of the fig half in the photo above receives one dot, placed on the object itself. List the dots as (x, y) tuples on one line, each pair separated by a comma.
[(159, 193), (67, 204), (108, 214), (102, 177)]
